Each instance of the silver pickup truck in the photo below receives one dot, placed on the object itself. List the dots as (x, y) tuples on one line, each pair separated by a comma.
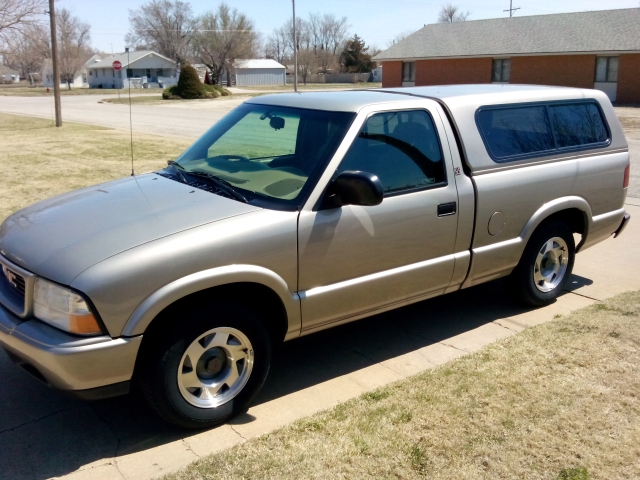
[(296, 213)]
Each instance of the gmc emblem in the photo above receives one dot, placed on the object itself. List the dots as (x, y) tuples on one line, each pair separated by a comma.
[(10, 276)]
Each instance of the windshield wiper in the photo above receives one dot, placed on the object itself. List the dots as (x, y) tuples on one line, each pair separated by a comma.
[(220, 184), (179, 174)]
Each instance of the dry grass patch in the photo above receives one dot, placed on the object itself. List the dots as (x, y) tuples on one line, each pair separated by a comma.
[(144, 99), (39, 160), (21, 91), (558, 401)]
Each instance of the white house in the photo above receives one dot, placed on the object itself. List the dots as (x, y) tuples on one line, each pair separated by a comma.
[(8, 76), (261, 71), (79, 81), (141, 68)]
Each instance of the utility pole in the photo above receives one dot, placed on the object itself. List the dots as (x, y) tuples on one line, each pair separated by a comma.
[(295, 50), (511, 9), (54, 60)]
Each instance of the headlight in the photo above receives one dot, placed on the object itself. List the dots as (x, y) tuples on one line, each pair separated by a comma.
[(63, 309)]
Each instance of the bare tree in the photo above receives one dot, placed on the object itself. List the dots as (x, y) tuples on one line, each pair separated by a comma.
[(307, 63), (26, 50), (73, 44), (323, 35), (328, 35), (399, 37), (164, 26), (17, 14), (223, 37), (450, 13), (276, 45)]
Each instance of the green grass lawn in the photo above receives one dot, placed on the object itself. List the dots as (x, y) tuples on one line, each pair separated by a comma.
[(39, 160), (558, 401)]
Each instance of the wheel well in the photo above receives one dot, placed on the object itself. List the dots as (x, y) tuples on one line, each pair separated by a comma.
[(259, 298), (574, 218)]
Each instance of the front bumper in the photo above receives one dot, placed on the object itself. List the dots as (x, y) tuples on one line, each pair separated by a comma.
[(92, 367)]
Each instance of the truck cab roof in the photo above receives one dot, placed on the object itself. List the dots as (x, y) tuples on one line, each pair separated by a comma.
[(471, 95)]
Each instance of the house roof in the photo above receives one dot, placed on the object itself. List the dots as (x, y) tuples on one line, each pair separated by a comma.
[(258, 63), (127, 58), (47, 64), (598, 31)]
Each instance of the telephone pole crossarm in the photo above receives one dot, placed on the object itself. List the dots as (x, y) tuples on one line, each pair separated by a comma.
[(511, 10)]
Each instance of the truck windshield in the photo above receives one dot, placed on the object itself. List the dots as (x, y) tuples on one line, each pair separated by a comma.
[(271, 155)]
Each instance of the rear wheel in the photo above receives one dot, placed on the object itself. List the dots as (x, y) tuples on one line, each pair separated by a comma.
[(206, 367), (545, 266)]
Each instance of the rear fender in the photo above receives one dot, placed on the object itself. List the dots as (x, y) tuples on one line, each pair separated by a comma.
[(499, 259)]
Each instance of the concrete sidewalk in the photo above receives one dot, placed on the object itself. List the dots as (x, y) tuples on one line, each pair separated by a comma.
[(43, 434)]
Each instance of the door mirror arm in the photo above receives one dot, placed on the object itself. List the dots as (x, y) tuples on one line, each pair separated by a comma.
[(353, 188)]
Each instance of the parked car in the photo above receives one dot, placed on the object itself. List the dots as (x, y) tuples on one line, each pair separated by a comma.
[(296, 213)]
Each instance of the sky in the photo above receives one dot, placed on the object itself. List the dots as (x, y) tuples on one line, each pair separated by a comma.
[(376, 21)]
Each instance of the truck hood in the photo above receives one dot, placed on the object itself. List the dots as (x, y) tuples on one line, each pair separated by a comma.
[(61, 237)]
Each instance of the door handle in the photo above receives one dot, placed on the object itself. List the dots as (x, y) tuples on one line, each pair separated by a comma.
[(446, 209)]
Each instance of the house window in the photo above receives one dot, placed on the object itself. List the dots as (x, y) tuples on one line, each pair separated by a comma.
[(607, 69), (408, 71), (129, 73), (501, 70), (147, 73), (91, 73)]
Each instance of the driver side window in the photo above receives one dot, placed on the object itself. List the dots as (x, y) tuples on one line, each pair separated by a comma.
[(401, 148)]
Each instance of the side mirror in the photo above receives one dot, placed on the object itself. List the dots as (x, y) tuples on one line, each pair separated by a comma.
[(353, 188)]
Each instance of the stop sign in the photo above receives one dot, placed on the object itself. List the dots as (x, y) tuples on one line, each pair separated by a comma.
[(117, 66)]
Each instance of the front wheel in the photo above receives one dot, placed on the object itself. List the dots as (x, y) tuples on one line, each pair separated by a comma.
[(545, 266), (206, 367)]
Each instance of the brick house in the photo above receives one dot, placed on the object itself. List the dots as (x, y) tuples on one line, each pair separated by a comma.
[(598, 49)]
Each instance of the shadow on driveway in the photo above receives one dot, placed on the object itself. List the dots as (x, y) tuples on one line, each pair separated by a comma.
[(45, 434)]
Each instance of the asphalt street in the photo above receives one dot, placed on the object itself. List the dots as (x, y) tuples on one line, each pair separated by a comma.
[(178, 119)]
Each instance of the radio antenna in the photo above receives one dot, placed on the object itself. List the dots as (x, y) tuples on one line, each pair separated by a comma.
[(130, 119)]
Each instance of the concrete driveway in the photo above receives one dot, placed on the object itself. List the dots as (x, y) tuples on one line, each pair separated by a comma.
[(44, 434)]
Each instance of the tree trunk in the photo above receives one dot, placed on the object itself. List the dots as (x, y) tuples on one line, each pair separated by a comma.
[(228, 78)]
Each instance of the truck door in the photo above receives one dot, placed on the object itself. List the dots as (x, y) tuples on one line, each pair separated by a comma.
[(356, 260)]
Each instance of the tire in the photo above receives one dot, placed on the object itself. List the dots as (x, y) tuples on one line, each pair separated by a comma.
[(545, 265), (187, 371)]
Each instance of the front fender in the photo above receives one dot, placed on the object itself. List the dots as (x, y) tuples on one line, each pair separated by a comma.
[(155, 303)]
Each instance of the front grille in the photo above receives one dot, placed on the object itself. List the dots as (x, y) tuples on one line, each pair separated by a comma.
[(15, 280)]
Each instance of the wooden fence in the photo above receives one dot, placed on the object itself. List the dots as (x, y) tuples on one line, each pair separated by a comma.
[(333, 78)]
